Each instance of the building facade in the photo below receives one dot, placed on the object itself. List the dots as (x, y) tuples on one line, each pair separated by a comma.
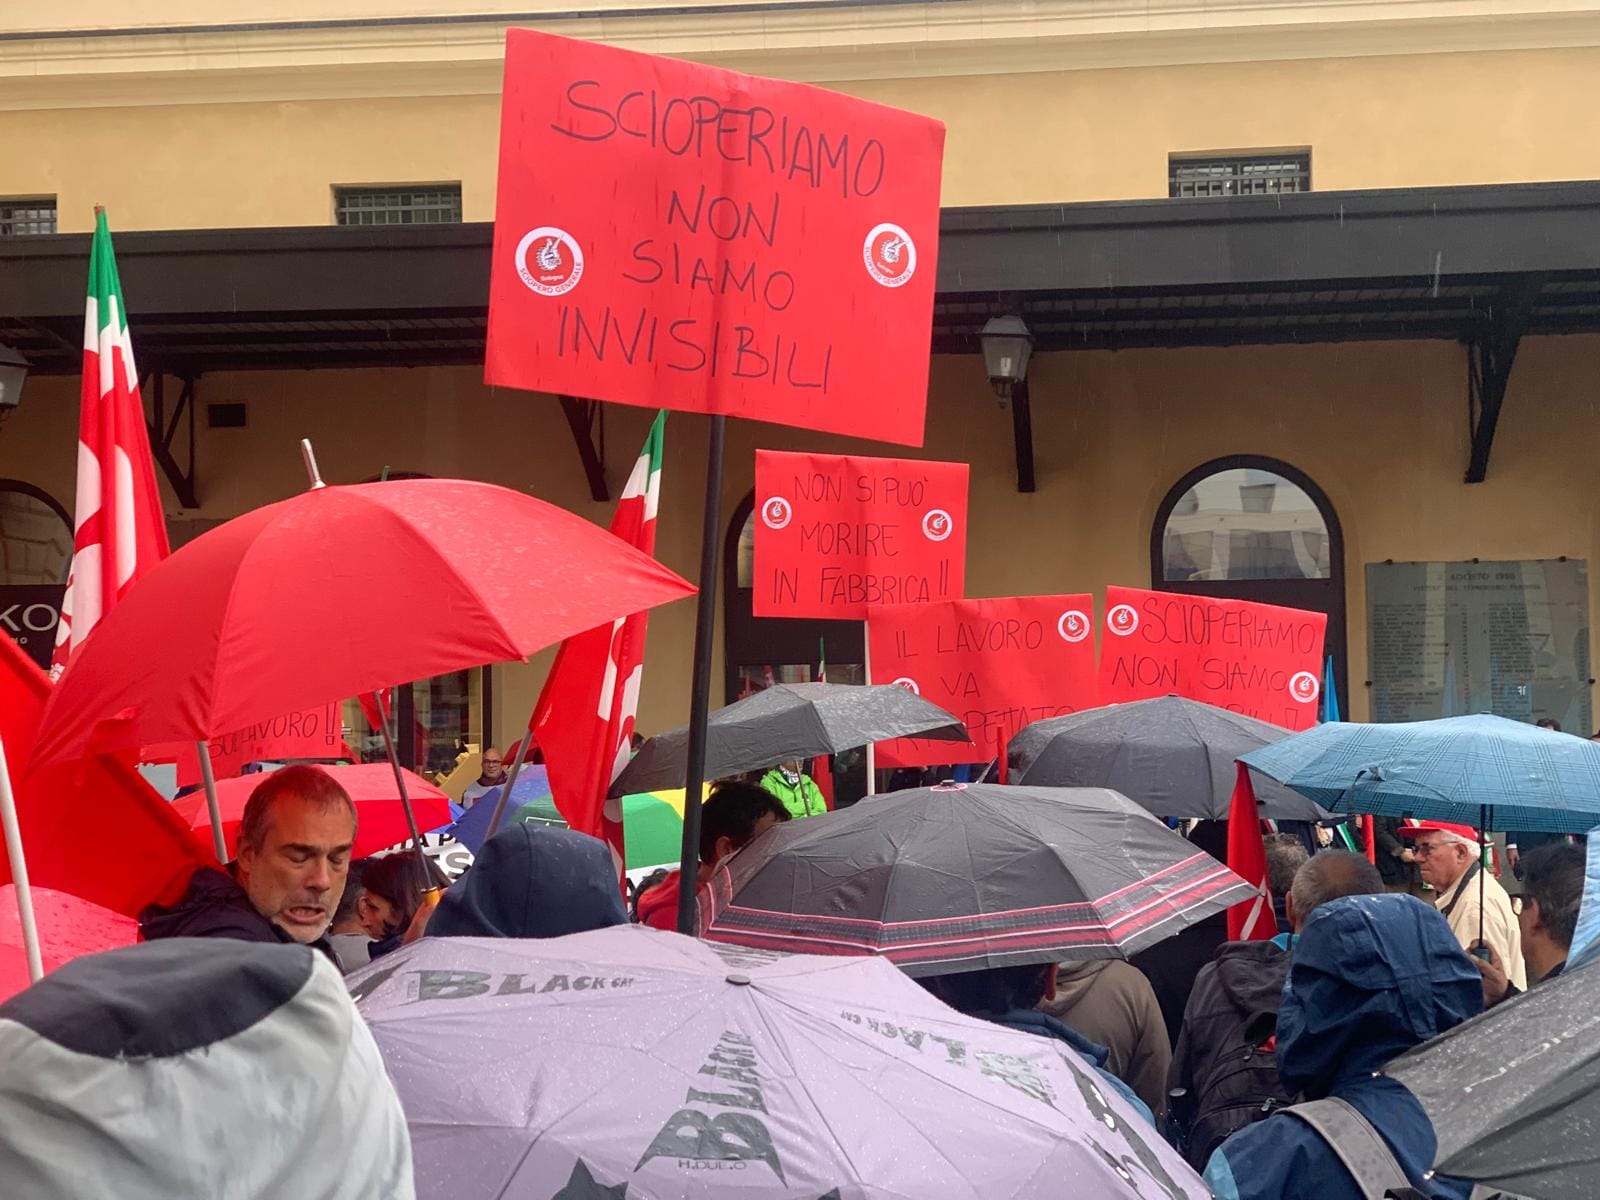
[(1295, 272)]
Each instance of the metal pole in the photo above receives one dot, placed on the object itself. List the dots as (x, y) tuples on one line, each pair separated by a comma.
[(209, 778), (394, 765), (872, 747), (19, 872), (310, 457), (503, 800), (700, 695)]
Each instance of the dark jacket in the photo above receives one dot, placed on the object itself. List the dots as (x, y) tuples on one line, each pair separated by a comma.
[(215, 906), (1224, 1060), (1372, 977), (1043, 1025), (533, 881), (1391, 867)]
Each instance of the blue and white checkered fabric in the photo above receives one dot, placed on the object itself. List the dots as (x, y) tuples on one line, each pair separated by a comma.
[(1506, 774)]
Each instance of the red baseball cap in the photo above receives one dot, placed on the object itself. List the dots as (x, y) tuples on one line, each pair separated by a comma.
[(1464, 832)]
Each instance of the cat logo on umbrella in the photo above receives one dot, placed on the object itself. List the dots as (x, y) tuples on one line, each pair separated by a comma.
[(776, 513), (556, 261), (1073, 626), (1305, 687), (890, 255), (1122, 620)]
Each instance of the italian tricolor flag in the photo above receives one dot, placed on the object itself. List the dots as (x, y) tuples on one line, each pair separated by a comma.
[(585, 716), (120, 532)]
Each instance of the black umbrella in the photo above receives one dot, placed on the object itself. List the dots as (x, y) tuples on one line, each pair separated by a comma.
[(792, 720), (1514, 1094), (962, 877), (1174, 756)]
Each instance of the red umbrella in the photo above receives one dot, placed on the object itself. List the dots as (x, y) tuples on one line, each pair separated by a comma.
[(337, 592), (68, 927), (380, 818)]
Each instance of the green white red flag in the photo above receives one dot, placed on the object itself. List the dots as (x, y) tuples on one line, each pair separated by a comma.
[(585, 717), (120, 532)]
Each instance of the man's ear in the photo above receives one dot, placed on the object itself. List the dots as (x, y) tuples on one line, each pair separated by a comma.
[(724, 846), (1288, 910)]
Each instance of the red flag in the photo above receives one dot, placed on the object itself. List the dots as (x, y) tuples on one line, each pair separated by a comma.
[(1249, 920), (1370, 832), (585, 717), (120, 531)]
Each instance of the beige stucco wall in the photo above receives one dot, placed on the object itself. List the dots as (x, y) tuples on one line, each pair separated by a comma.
[(1382, 427)]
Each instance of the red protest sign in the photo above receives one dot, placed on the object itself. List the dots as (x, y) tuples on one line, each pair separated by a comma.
[(1256, 659), (836, 535), (674, 235), (311, 733), (996, 664)]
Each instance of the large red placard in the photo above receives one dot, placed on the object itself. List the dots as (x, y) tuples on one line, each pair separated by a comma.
[(311, 733), (997, 664), (678, 236), (837, 535), (1257, 659)]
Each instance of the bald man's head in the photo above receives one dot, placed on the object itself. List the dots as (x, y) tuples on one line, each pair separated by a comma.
[(1327, 876)]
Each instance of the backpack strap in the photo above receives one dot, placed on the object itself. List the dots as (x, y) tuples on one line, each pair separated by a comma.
[(1357, 1144)]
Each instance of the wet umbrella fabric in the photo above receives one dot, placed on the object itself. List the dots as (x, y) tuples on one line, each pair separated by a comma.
[(68, 928), (791, 720), (1483, 770), (1514, 1094), (333, 593), (1174, 756), (963, 877), (637, 1064)]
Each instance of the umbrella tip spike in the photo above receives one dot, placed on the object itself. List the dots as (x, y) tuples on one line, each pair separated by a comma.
[(309, 455)]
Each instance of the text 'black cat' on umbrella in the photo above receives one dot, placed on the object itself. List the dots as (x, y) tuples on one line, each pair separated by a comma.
[(1174, 756), (791, 720), (965, 877)]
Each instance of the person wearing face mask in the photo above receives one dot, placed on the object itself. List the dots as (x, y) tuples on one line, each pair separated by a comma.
[(794, 789)]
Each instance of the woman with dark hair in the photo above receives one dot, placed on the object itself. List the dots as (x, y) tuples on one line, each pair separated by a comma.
[(390, 898)]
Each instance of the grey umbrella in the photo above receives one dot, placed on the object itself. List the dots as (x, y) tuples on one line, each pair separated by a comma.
[(1514, 1094), (792, 720), (1174, 756)]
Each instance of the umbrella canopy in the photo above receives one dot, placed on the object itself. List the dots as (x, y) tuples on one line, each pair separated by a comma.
[(530, 801), (380, 818), (1514, 1094), (652, 822), (337, 592), (1480, 770), (68, 928), (791, 720), (1174, 756), (627, 1061), (962, 877)]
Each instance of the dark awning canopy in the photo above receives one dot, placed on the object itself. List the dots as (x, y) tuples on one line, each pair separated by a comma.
[(1315, 267)]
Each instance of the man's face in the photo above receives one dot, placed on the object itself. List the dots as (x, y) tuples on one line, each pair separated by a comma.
[(1441, 860), (493, 766), (297, 875)]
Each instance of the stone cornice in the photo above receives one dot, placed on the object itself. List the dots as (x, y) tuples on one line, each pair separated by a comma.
[(825, 42)]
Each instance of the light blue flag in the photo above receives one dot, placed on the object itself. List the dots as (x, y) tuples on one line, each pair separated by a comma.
[(1330, 696)]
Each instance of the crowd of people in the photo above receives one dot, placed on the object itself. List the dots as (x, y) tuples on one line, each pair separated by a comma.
[(1359, 971)]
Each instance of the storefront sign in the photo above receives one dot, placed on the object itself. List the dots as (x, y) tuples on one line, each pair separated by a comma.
[(1256, 659), (673, 235), (996, 664), (836, 536), (28, 616)]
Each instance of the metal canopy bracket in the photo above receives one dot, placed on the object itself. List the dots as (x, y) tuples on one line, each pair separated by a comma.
[(163, 432), (588, 423), (1022, 434), (1491, 352)]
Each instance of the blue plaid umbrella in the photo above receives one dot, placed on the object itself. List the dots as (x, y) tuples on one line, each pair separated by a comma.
[(1480, 770)]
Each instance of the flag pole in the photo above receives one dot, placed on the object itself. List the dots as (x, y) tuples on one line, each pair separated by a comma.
[(502, 801), (872, 747), (19, 872), (209, 778), (700, 696)]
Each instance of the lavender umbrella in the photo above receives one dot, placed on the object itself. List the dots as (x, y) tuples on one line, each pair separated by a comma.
[(632, 1064)]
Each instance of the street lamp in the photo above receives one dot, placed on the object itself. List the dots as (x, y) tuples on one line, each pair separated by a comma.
[(1007, 347), (13, 370)]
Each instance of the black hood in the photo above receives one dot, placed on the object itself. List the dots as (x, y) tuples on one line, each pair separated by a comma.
[(1252, 975)]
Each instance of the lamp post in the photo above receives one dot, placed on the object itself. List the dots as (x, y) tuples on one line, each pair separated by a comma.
[(1007, 349), (13, 371)]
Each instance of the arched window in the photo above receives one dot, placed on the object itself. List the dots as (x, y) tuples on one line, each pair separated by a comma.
[(35, 556), (1252, 528)]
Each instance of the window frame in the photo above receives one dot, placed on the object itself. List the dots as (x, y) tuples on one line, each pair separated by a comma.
[(1238, 164), (10, 205), (406, 192)]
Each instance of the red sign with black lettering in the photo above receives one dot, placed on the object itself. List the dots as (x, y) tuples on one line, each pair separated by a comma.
[(311, 733), (996, 664), (837, 535), (678, 236), (1257, 659)]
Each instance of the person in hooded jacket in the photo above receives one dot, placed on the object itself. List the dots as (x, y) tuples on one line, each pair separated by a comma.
[(1111, 1003), (533, 881), (1372, 977)]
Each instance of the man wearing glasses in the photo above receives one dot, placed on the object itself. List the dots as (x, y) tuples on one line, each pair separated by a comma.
[(1447, 857)]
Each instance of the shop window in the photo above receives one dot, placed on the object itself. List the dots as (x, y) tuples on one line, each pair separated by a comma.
[(35, 556), (1238, 175), (423, 204), (27, 216), (1244, 523)]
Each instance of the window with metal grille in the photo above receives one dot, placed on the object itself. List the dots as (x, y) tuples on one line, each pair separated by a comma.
[(36, 214), (1239, 175), (435, 204)]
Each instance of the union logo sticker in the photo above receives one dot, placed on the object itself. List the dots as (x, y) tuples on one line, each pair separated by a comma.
[(890, 255), (549, 261)]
